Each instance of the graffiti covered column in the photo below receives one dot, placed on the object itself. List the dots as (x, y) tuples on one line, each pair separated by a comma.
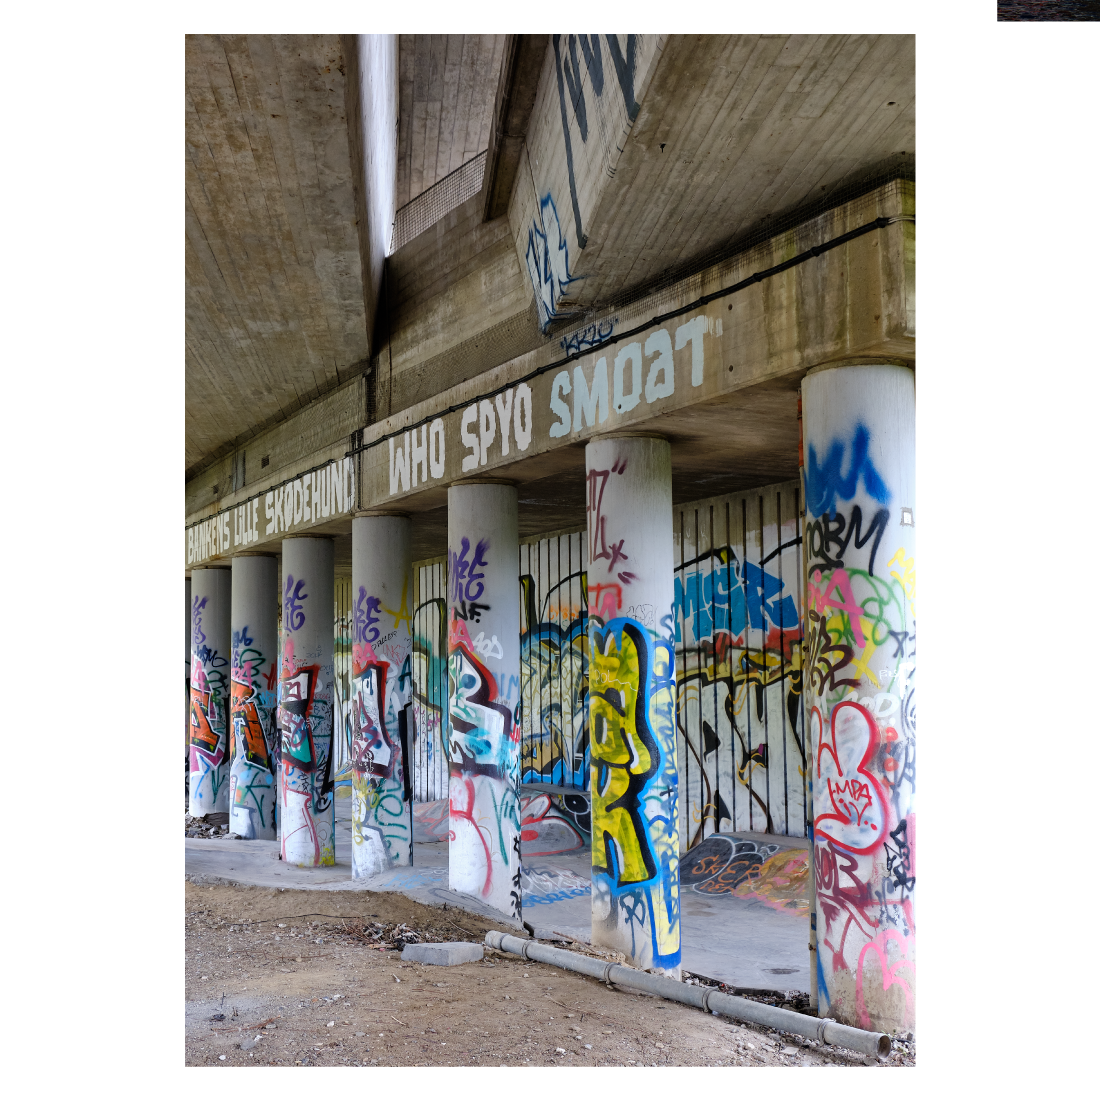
[(255, 672), (210, 652), (306, 806), (484, 692), (382, 593), (632, 701), (859, 439)]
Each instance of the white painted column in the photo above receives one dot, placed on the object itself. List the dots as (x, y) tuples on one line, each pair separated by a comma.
[(210, 655), (483, 666), (382, 595), (632, 701), (252, 723), (306, 781), (860, 675)]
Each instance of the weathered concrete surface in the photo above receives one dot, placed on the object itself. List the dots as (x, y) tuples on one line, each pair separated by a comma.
[(739, 429), (443, 954), (446, 88), (635, 169), (275, 307), (747, 935)]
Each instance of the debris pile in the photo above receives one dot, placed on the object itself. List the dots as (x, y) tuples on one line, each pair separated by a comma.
[(208, 827), (376, 933)]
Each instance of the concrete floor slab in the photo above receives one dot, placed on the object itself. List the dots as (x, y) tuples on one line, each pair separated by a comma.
[(744, 910)]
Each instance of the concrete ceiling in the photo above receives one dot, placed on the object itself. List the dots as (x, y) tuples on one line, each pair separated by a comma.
[(736, 130), (446, 94), (274, 297)]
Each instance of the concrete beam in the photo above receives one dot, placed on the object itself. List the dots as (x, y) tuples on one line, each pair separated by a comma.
[(736, 429), (275, 302), (524, 55)]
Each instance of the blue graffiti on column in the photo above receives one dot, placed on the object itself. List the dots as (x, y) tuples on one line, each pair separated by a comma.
[(828, 531), (825, 483)]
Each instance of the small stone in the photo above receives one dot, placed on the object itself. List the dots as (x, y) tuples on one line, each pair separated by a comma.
[(559, 1050), (221, 1057), (360, 1034), (331, 1023), (789, 1050), (587, 1046), (271, 1027)]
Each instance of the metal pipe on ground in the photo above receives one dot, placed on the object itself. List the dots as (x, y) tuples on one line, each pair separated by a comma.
[(709, 1000)]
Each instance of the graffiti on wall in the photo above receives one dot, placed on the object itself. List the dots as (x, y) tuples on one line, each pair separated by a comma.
[(310, 498), (554, 675), (209, 748), (381, 784), (483, 743), (547, 259), (739, 649), (429, 667), (305, 724), (860, 672), (252, 794), (343, 693), (596, 80)]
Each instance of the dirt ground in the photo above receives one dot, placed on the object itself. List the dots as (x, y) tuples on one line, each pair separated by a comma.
[(316, 977)]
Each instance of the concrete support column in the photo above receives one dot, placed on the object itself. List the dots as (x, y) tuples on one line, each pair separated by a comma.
[(382, 592), (306, 781), (860, 676), (484, 692), (210, 654), (255, 670), (632, 701)]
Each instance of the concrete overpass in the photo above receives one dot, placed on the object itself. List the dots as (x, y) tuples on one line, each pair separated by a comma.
[(691, 256)]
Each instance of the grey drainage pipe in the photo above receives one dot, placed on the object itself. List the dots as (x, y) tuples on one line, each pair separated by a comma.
[(708, 999)]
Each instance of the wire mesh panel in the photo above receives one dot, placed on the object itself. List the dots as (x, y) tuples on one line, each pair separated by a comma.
[(430, 681), (439, 200), (554, 661), (739, 662), (341, 710)]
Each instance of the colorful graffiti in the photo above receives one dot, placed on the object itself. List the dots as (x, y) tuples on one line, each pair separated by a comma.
[(554, 681), (305, 724), (429, 699), (860, 673), (209, 748), (381, 785), (635, 857), (252, 781), (484, 735), (746, 868), (551, 823), (739, 650)]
